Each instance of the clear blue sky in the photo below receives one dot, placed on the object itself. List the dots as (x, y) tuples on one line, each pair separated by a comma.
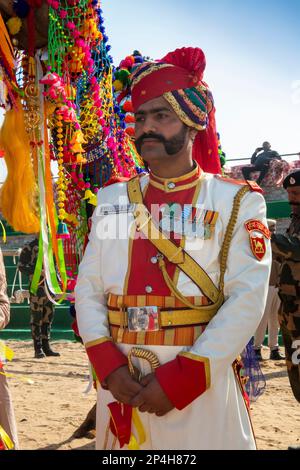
[(253, 59)]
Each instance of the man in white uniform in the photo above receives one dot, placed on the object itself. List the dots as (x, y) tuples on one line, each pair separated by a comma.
[(196, 253)]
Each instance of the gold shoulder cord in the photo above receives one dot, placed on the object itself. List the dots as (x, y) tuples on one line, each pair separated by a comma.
[(229, 233)]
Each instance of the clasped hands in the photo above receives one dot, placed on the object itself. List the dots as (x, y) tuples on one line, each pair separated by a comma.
[(146, 395)]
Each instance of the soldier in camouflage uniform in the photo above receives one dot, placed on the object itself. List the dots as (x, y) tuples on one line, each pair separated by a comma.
[(41, 308), (287, 249)]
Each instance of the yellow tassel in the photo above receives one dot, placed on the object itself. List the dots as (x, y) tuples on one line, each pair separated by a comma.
[(4, 437), (118, 85), (6, 352), (93, 200), (88, 194), (14, 25), (133, 445), (9, 354), (3, 231), (18, 198), (138, 426), (91, 197)]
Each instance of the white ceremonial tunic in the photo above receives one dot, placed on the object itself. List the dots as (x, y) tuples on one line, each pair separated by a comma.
[(218, 419)]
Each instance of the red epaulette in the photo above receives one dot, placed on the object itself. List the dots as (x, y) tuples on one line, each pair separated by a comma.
[(252, 184), (115, 180)]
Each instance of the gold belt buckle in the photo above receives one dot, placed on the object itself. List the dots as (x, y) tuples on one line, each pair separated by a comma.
[(143, 318)]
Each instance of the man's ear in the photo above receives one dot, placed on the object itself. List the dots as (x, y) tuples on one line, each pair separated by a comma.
[(193, 133)]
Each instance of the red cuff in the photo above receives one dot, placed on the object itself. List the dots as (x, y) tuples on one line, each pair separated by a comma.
[(105, 358), (74, 327), (184, 379)]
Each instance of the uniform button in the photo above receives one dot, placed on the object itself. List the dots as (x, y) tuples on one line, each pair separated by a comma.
[(171, 185), (154, 260), (148, 289)]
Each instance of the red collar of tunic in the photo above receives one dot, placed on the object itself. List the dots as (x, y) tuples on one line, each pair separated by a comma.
[(173, 185)]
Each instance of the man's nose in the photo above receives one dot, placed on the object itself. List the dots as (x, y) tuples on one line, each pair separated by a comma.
[(149, 126)]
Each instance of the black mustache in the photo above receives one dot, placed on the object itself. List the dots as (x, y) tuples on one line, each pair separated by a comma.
[(143, 137)]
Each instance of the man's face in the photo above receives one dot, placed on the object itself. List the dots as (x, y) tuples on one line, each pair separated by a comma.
[(294, 198), (159, 133), (266, 146)]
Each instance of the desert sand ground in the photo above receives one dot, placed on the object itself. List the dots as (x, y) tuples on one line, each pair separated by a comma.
[(49, 410)]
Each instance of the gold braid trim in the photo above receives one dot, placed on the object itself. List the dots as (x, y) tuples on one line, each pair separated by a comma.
[(229, 233), (180, 113), (154, 68), (97, 342)]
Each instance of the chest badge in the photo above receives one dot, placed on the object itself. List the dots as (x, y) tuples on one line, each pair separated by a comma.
[(189, 221)]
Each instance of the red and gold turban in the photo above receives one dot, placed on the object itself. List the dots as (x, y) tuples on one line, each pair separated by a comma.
[(178, 77)]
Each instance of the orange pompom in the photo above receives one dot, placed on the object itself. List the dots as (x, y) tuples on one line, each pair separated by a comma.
[(131, 59), (129, 119), (130, 131), (127, 107)]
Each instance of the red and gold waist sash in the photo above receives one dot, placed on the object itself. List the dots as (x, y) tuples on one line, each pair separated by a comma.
[(178, 325)]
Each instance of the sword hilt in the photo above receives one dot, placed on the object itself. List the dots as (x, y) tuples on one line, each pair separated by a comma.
[(141, 354)]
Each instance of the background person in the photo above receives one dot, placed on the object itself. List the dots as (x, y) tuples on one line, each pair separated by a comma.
[(287, 247), (270, 318), (260, 161), (41, 308), (7, 415)]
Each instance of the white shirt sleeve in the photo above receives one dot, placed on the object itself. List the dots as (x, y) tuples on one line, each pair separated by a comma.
[(90, 300)]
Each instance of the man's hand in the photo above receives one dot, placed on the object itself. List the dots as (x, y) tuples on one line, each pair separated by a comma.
[(152, 398), (122, 386)]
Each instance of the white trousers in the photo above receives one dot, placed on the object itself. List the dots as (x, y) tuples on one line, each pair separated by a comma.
[(7, 415), (270, 320)]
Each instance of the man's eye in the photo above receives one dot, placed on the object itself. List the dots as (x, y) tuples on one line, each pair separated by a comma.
[(139, 119), (162, 115)]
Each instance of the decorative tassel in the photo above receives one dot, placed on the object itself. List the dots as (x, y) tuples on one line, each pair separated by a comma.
[(88, 194), (3, 232), (5, 441), (14, 25), (19, 192), (92, 198), (62, 231)]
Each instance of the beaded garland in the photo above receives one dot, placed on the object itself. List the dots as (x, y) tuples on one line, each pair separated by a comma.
[(80, 76), (86, 125)]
